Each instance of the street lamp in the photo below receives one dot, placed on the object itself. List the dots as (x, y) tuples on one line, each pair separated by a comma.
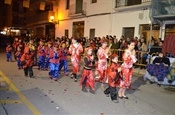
[(52, 18)]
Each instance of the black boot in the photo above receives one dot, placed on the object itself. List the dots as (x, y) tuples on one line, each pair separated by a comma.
[(92, 91), (75, 78), (84, 88)]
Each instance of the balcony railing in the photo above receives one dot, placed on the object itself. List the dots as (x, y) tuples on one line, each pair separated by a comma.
[(77, 10), (40, 18), (124, 3)]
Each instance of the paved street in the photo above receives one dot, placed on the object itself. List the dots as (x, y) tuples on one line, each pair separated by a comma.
[(40, 95)]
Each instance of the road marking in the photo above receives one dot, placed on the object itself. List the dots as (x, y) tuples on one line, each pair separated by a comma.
[(10, 101), (5, 88), (32, 108)]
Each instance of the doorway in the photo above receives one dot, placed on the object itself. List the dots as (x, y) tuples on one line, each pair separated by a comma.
[(146, 33), (78, 29)]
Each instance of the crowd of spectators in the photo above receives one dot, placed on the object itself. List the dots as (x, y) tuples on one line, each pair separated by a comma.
[(142, 47)]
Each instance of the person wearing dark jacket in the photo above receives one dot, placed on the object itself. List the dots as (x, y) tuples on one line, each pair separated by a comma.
[(159, 68)]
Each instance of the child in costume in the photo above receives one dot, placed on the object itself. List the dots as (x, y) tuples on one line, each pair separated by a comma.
[(9, 52), (54, 62), (18, 55), (114, 77), (41, 55), (87, 74), (63, 59), (27, 60), (75, 50), (102, 64), (48, 50), (129, 58)]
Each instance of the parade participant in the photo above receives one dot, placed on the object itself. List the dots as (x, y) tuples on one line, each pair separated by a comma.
[(27, 60), (41, 55), (15, 44), (129, 59), (54, 62), (63, 59), (75, 50), (102, 64), (48, 50), (87, 74), (21, 46), (9, 52), (18, 55), (114, 77)]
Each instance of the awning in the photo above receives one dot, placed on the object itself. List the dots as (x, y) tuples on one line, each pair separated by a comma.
[(165, 17)]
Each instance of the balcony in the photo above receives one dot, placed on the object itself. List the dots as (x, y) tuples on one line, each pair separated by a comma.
[(41, 18), (124, 5), (75, 11)]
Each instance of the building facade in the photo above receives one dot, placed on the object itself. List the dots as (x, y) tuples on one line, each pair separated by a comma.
[(98, 18)]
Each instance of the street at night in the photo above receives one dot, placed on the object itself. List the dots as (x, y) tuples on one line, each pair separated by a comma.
[(41, 95)]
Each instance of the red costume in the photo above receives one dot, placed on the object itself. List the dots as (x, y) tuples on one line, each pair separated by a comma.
[(87, 74), (102, 64), (75, 50), (27, 60), (113, 81), (128, 61)]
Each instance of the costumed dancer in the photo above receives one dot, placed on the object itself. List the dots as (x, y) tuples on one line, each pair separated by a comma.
[(15, 45), (27, 60), (87, 79), (9, 52), (75, 50), (63, 59), (114, 77), (129, 59), (48, 50), (41, 55), (54, 62), (102, 64), (18, 55)]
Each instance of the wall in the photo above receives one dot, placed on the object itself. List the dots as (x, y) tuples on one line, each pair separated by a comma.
[(129, 19), (107, 22)]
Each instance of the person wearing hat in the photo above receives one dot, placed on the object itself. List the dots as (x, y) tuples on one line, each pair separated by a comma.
[(87, 74), (75, 50), (102, 64), (48, 50), (54, 62), (41, 55), (114, 77)]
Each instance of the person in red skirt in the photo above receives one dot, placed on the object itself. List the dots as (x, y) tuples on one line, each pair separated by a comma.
[(129, 58), (114, 77), (87, 74)]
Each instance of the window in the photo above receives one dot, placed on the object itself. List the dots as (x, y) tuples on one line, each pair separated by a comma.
[(94, 1), (133, 2), (128, 32), (66, 33), (92, 33), (67, 4)]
